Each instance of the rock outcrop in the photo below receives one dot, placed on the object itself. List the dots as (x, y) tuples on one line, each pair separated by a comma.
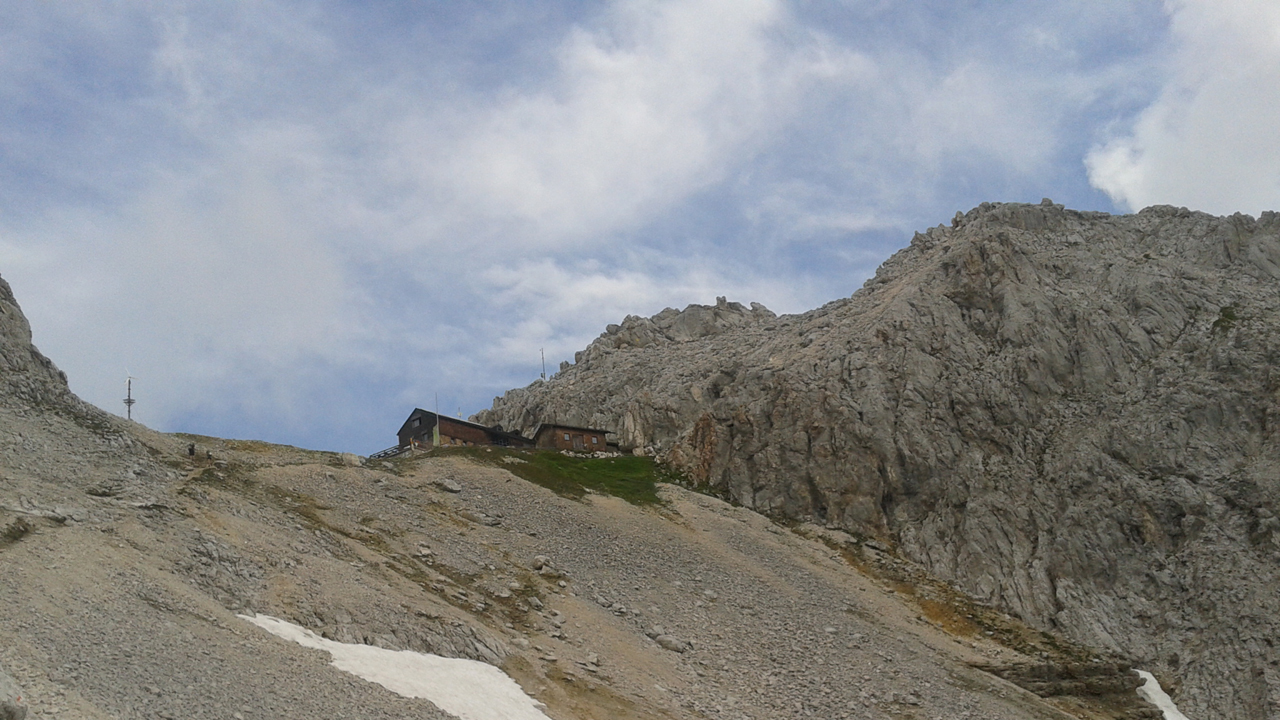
[(1071, 415), (12, 706), (26, 374), (133, 567)]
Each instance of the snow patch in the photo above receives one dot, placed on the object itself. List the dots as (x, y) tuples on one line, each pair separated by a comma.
[(469, 689), (1156, 695)]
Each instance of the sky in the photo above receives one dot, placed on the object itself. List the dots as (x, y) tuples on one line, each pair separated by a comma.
[(298, 221)]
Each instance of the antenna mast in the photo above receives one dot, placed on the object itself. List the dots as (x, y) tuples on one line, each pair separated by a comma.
[(544, 362), (128, 397)]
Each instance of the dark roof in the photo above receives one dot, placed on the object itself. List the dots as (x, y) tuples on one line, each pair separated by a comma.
[(419, 412), (558, 426)]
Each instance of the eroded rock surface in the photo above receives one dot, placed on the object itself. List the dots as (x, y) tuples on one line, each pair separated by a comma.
[(1071, 415), (12, 706), (130, 563)]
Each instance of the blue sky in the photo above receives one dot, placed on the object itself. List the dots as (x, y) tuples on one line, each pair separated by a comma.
[(296, 221)]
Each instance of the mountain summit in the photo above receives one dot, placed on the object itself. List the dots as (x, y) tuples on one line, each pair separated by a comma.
[(150, 575), (1070, 415)]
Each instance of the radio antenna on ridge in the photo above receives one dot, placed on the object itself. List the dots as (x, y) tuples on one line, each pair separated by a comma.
[(128, 395)]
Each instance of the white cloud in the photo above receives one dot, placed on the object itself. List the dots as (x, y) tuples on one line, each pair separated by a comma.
[(195, 280), (262, 211), (1211, 140), (658, 101), (574, 301), (229, 264), (977, 108)]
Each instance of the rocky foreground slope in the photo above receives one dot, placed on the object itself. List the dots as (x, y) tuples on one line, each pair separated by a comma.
[(125, 564), (1073, 416)]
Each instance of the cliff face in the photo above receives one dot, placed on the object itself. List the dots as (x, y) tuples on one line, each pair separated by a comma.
[(26, 373), (130, 565), (1071, 415)]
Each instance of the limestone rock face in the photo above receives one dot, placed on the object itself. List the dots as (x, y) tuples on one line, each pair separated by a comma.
[(24, 371), (30, 384), (12, 706), (1073, 415)]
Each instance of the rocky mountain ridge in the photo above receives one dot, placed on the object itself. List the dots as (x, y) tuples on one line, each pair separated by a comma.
[(130, 566), (1070, 415)]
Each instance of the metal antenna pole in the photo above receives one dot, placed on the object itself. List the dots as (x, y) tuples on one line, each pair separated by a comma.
[(544, 362), (128, 397)]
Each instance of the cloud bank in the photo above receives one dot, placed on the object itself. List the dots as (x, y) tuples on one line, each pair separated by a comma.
[(1210, 140), (298, 221)]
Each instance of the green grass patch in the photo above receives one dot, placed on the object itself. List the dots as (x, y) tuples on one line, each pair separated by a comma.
[(1227, 318), (631, 478)]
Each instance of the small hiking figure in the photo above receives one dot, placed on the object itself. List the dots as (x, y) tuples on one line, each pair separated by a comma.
[(208, 454), (191, 450)]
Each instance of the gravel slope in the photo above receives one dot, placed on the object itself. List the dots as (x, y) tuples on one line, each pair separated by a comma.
[(125, 607), (124, 561)]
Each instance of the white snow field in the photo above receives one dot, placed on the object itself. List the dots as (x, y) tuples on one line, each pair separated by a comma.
[(469, 689), (1152, 691)]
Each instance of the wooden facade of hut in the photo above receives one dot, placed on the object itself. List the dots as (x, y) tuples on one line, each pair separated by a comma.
[(568, 437), (419, 431)]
